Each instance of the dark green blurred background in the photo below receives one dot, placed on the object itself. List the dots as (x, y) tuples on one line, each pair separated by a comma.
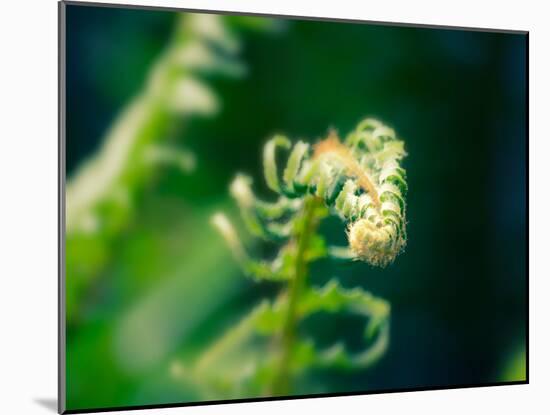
[(458, 293)]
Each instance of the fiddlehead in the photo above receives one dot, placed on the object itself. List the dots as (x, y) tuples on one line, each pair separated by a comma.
[(361, 180)]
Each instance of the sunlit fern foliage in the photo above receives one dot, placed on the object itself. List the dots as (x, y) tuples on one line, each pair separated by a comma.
[(360, 180), (101, 196)]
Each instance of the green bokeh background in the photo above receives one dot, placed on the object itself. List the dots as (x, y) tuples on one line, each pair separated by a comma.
[(458, 293)]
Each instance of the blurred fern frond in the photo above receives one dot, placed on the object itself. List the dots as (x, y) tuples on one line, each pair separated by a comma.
[(101, 196)]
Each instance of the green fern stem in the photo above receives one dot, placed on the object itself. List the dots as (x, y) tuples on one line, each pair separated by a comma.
[(302, 239)]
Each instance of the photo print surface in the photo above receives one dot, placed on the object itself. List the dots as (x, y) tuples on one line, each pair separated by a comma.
[(260, 207)]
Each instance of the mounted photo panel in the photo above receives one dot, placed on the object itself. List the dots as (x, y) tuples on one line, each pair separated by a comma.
[(260, 207)]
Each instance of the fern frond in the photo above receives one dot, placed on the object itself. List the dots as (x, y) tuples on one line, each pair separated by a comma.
[(200, 43), (101, 194), (361, 180)]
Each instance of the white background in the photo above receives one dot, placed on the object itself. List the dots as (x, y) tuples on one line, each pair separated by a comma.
[(28, 203)]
